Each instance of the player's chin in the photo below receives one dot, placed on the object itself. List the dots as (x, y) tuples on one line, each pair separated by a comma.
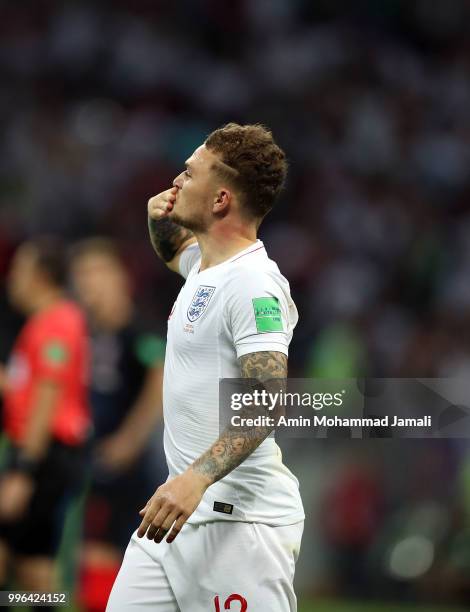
[(177, 218)]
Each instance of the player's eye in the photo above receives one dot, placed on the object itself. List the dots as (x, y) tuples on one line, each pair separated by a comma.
[(186, 173)]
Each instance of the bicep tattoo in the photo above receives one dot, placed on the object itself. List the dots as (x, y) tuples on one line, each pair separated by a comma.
[(264, 365)]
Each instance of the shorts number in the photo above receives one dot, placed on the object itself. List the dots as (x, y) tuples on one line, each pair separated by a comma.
[(228, 602)]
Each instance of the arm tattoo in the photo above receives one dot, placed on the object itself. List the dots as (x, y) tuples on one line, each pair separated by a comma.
[(265, 369), (167, 237), (264, 365)]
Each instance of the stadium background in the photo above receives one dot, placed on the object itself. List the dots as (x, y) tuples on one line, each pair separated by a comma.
[(100, 104)]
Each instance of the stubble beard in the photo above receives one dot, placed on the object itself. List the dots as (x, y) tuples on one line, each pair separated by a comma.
[(194, 225)]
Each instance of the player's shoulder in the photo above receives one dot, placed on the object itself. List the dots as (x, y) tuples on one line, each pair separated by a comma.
[(66, 317), (255, 268), (70, 311)]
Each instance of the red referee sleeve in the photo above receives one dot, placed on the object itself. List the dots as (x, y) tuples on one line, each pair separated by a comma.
[(54, 355)]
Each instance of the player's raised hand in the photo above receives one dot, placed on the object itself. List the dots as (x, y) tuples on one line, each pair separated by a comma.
[(162, 204), (172, 504)]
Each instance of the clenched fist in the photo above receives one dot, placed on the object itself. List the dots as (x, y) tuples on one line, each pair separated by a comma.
[(162, 204)]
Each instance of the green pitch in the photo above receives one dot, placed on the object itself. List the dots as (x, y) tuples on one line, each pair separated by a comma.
[(332, 606)]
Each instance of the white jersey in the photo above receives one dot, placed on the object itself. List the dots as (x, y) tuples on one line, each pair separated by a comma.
[(240, 306)]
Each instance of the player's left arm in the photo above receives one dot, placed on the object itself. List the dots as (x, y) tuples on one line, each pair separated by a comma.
[(175, 501)]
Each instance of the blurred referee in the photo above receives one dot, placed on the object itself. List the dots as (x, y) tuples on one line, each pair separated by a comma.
[(46, 417)]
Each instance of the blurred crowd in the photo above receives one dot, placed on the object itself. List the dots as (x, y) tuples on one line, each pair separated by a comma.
[(371, 100)]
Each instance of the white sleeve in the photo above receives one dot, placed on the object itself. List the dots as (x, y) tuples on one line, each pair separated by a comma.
[(258, 313), (189, 258)]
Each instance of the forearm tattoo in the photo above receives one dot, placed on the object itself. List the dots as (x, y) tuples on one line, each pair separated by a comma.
[(265, 369), (167, 237)]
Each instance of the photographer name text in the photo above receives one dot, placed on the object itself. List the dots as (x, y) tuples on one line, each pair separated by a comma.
[(324, 421)]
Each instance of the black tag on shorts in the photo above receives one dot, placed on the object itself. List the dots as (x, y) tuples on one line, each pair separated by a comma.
[(224, 508)]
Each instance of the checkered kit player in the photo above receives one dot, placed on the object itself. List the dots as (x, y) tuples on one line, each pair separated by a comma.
[(224, 531)]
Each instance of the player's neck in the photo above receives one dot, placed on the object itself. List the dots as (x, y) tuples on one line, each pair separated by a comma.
[(222, 243)]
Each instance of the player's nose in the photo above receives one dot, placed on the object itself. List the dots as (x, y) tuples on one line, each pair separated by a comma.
[(178, 181)]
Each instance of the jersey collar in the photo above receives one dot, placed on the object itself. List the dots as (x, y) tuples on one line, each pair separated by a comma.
[(257, 246)]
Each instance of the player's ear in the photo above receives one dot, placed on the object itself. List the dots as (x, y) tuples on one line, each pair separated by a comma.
[(221, 201)]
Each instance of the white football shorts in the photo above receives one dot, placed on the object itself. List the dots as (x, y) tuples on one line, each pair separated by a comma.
[(211, 567)]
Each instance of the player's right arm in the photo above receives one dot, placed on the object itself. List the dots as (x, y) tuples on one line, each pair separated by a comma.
[(168, 239)]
